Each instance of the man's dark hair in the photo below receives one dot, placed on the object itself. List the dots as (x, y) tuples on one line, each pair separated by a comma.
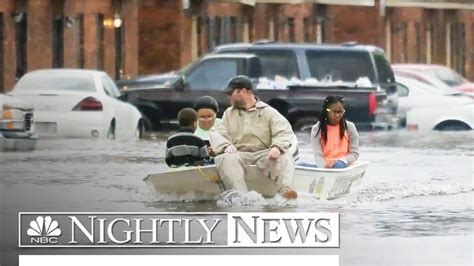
[(240, 82), (187, 117)]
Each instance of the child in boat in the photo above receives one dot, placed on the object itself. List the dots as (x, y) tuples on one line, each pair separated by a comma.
[(207, 109), (184, 148), (334, 140)]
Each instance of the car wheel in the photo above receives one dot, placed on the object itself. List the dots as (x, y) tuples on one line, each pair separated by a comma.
[(139, 130), (111, 131), (452, 126)]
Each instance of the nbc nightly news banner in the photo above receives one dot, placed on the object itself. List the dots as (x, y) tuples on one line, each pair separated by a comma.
[(110, 229)]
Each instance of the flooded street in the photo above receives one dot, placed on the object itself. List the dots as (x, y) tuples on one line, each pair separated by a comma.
[(414, 207)]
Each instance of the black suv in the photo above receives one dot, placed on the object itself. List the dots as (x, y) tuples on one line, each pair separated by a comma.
[(347, 62)]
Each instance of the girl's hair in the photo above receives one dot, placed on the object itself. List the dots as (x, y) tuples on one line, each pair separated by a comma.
[(323, 118)]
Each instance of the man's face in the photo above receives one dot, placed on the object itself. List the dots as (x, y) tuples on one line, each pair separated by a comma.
[(237, 98)]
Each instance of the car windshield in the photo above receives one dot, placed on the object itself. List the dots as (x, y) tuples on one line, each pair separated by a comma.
[(56, 81), (446, 75), (340, 65)]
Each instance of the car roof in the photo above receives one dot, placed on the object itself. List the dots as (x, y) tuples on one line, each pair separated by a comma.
[(303, 46), (59, 71), (233, 55), (418, 66)]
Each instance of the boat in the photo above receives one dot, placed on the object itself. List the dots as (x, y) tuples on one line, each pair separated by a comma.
[(204, 183)]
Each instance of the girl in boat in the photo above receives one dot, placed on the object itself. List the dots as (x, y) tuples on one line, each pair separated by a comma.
[(334, 140)]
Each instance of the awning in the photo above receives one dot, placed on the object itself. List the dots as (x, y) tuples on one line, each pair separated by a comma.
[(435, 4), (326, 2)]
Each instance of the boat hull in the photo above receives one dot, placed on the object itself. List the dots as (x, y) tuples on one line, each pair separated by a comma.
[(204, 184)]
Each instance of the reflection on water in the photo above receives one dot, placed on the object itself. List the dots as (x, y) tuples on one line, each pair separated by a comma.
[(418, 184)]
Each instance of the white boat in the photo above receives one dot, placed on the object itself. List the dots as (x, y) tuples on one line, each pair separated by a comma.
[(204, 183)]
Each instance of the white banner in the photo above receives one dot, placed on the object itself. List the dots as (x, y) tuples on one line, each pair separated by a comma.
[(208, 260)]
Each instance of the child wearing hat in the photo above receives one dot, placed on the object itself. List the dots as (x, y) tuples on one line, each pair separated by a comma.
[(207, 109)]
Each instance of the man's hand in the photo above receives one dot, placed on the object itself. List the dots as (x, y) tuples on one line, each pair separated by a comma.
[(230, 149), (274, 153), (211, 152)]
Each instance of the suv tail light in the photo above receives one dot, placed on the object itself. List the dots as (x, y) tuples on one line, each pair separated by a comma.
[(372, 103), (88, 104)]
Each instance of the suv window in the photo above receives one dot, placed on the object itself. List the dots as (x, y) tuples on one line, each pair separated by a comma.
[(212, 74), (340, 65), (277, 62), (384, 70)]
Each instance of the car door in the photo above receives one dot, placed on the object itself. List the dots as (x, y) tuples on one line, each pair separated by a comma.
[(121, 111), (210, 77)]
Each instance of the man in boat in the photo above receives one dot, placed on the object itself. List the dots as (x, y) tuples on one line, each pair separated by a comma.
[(184, 148), (253, 133)]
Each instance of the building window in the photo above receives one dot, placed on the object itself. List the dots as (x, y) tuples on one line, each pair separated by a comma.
[(221, 30), (291, 29), (199, 33), (458, 40), (21, 23), (233, 29), (79, 37), (2, 89), (418, 42), (119, 43), (211, 39), (58, 42), (306, 30), (100, 41), (404, 37), (429, 42), (321, 19)]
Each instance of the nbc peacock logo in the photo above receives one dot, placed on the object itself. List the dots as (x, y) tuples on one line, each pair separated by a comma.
[(44, 230)]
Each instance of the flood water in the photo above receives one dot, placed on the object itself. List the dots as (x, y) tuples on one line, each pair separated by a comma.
[(414, 207)]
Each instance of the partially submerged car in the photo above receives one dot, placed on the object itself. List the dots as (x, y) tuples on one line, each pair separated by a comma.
[(414, 94), (78, 103), (16, 124), (437, 75)]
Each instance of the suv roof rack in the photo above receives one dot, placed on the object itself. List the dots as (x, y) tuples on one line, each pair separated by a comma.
[(353, 43), (264, 41)]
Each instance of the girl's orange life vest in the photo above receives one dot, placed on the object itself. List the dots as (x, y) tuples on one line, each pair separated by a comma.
[(335, 147)]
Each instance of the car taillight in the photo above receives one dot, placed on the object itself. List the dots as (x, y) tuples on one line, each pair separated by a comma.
[(372, 103), (88, 104)]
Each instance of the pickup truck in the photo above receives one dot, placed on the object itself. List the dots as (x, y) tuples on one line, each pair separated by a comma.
[(160, 97)]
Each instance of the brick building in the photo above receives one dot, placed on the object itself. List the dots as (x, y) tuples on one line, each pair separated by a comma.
[(131, 37)]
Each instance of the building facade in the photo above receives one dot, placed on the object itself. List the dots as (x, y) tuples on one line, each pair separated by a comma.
[(126, 38)]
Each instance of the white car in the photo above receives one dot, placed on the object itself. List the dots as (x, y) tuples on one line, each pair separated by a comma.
[(78, 103), (415, 94), (16, 125), (443, 117)]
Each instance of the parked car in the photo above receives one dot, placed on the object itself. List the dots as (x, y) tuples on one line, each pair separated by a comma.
[(16, 124), (78, 103), (160, 97), (415, 94), (444, 118), (466, 88), (443, 73), (299, 102), (319, 61)]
